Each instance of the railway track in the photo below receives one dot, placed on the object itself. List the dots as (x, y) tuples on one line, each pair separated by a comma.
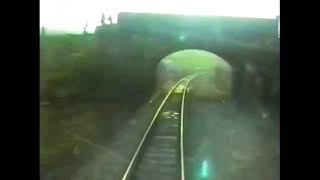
[(160, 153)]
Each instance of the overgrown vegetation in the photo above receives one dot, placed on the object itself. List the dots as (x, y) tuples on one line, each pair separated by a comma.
[(76, 67)]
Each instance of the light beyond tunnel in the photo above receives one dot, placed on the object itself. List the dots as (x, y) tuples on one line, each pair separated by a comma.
[(215, 74)]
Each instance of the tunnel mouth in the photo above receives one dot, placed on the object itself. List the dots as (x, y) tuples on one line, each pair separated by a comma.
[(214, 74)]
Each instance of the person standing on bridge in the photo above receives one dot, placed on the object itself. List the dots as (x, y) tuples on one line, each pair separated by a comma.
[(85, 28), (103, 19), (43, 30), (110, 19)]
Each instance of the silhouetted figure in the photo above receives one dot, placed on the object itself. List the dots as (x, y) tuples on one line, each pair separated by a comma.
[(85, 28), (110, 19), (103, 19), (43, 30)]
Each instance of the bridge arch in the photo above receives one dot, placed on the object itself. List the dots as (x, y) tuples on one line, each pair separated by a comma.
[(214, 81)]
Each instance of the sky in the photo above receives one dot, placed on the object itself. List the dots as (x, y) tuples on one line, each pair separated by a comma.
[(72, 15)]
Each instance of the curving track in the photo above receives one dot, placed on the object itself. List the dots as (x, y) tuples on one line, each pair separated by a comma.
[(160, 153)]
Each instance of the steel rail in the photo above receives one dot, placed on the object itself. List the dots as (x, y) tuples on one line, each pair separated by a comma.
[(181, 130), (130, 166)]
